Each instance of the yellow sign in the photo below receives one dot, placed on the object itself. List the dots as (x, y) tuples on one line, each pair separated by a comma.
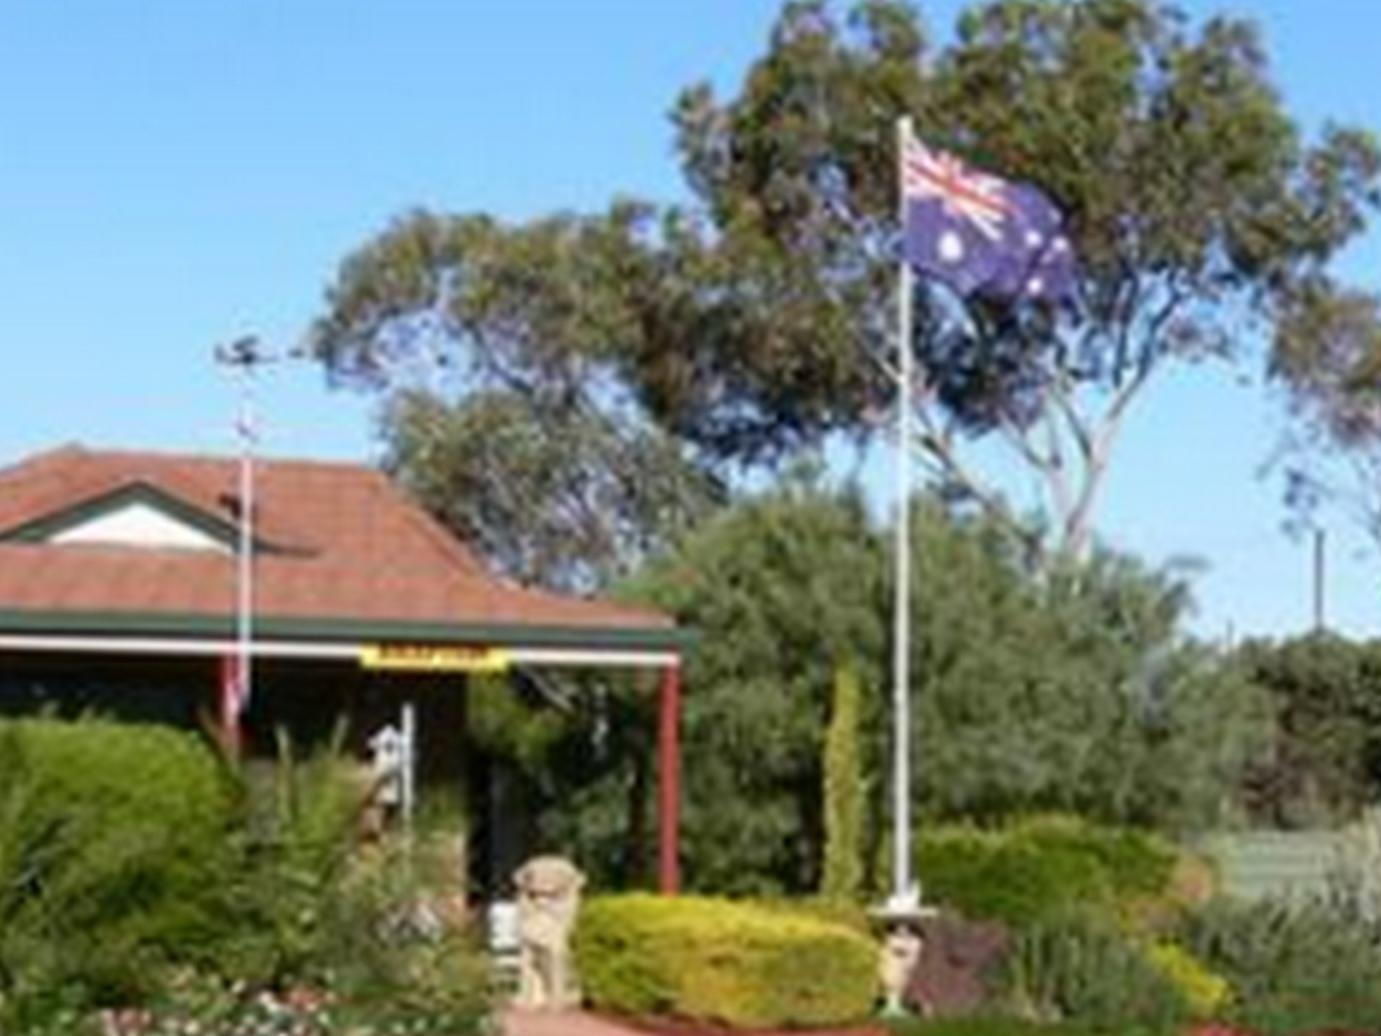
[(433, 658)]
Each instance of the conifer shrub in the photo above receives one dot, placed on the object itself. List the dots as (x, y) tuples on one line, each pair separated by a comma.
[(733, 963), (844, 792)]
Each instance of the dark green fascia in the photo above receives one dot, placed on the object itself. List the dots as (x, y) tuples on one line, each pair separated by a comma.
[(41, 529), (126, 624)]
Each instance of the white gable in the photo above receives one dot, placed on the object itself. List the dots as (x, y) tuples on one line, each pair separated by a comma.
[(138, 524)]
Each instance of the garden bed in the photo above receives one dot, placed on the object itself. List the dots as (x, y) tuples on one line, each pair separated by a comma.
[(675, 1028)]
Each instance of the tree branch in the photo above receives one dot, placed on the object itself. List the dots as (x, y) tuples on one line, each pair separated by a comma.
[(939, 446)]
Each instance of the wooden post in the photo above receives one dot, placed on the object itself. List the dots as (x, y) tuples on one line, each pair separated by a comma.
[(669, 769)]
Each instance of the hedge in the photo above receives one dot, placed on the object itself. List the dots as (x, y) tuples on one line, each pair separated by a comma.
[(738, 964), (1040, 866)]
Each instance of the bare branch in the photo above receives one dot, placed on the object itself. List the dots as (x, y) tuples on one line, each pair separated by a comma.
[(938, 447)]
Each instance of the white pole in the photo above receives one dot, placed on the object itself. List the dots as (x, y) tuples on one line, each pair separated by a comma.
[(244, 610), (408, 778), (904, 892)]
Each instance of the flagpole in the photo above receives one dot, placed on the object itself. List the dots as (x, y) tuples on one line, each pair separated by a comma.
[(904, 892)]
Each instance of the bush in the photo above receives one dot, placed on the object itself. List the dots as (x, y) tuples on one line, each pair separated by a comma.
[(112, 854), (1080, 967), (1205, 991), (1295, 967), (730, 963), (143, 879), (1039, 866)]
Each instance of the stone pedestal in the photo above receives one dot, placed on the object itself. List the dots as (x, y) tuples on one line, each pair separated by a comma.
[(901, 949)]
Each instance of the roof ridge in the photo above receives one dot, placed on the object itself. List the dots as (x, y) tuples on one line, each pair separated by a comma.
[(26, 465), (202, 456)]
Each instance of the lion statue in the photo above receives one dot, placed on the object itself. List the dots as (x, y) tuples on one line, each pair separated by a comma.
[(548, 900)]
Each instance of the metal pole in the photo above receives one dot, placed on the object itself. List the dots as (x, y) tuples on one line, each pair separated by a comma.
[(1319, 563), (245, 355), (244, 610), (903, 891), (407, 782)]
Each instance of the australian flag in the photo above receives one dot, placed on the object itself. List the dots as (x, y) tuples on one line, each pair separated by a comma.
[(981, 234)]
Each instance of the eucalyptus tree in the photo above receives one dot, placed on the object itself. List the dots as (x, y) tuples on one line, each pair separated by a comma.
[(573, 390), (1200, 214)]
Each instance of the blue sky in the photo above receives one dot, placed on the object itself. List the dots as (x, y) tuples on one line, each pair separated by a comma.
[(174, 173)]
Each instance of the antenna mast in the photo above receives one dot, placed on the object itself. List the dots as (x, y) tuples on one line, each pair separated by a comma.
[(244, 356)]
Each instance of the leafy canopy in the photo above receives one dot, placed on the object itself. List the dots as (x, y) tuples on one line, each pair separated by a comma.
[(503, 352), (621, 357), (1199, 213), (1033, 692)]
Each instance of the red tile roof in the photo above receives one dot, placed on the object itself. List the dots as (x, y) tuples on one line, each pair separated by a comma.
[(355, 552)]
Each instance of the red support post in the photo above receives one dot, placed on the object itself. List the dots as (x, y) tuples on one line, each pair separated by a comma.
[(669, 770), (228, 705)]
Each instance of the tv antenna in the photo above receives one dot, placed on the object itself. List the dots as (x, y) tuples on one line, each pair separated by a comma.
[(245, 355)]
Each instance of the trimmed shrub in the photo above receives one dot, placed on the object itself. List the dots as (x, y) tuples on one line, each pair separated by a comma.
[(1039, 866), (738, 964)]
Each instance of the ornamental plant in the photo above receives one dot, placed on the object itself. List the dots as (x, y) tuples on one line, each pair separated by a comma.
[(729, 963)]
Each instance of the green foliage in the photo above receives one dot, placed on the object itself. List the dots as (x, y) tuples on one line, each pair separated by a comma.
[(581, 373), (298, 884), (553, 486), (722, 962), (111, 859), (1295, 968), (502, 722), (1069, 690), (1079, 966), (1205, 992), (137, 871), (519, 430), (1036, 868), (1033, 692), (845, 802), (1324, 758), (778, 588), (1191, 195), (317, 911)]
